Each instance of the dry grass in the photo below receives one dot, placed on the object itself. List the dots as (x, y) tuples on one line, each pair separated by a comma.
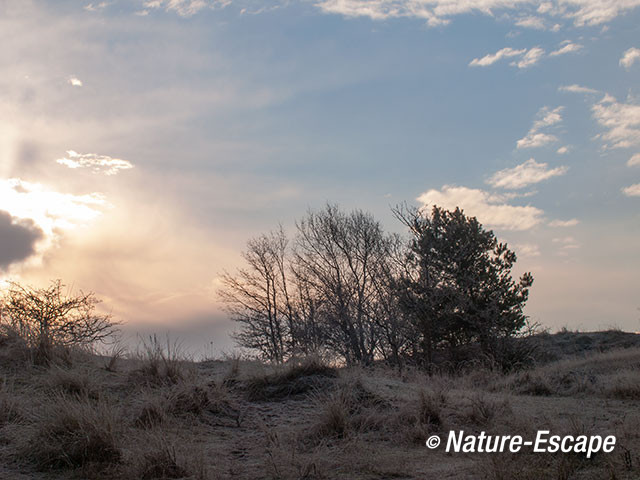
[(161, 460), (161, 362), (72, 434), (297, 378), (349, 410), (613, 374), (160, 416)]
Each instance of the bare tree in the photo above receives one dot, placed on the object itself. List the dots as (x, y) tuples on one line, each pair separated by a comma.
[(340, 256), (330, 294), (260, 298), (396, 334), (46, 317)]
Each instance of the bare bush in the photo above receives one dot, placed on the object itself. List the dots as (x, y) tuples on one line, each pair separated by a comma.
[(47, 318)]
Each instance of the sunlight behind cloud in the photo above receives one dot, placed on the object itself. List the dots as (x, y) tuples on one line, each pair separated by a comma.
[(50, 210)]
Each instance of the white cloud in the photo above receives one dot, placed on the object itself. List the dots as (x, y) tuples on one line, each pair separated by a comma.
[(74, 82), (629, 57), (564, 223), (562, 150), (567, 243), (535, 140), (438, 12), (568, 48), (545, 7), (634, 161), (546, 118), (577, 89), (632, 191), (525, 174), (530, 58), (527, 250), (98, 163), (622, 121), (97, 7), (536, 23), (185, 8), (491, 210), (492, 58)]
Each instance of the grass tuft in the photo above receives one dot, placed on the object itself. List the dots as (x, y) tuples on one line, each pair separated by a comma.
[(296, 379), (70, 433)]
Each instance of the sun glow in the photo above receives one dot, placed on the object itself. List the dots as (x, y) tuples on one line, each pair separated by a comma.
[(52, 211)]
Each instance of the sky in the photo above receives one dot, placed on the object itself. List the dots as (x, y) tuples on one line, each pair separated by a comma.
[(143, 142)]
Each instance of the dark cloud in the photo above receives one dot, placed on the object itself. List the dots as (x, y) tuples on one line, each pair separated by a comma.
[(17, 239)]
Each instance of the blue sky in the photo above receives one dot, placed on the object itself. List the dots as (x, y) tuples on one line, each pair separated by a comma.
[(143, 142)]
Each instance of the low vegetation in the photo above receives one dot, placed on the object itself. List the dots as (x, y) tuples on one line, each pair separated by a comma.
[(157, 415)]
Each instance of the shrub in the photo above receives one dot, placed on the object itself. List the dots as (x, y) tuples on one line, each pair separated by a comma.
[(46, 319)]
